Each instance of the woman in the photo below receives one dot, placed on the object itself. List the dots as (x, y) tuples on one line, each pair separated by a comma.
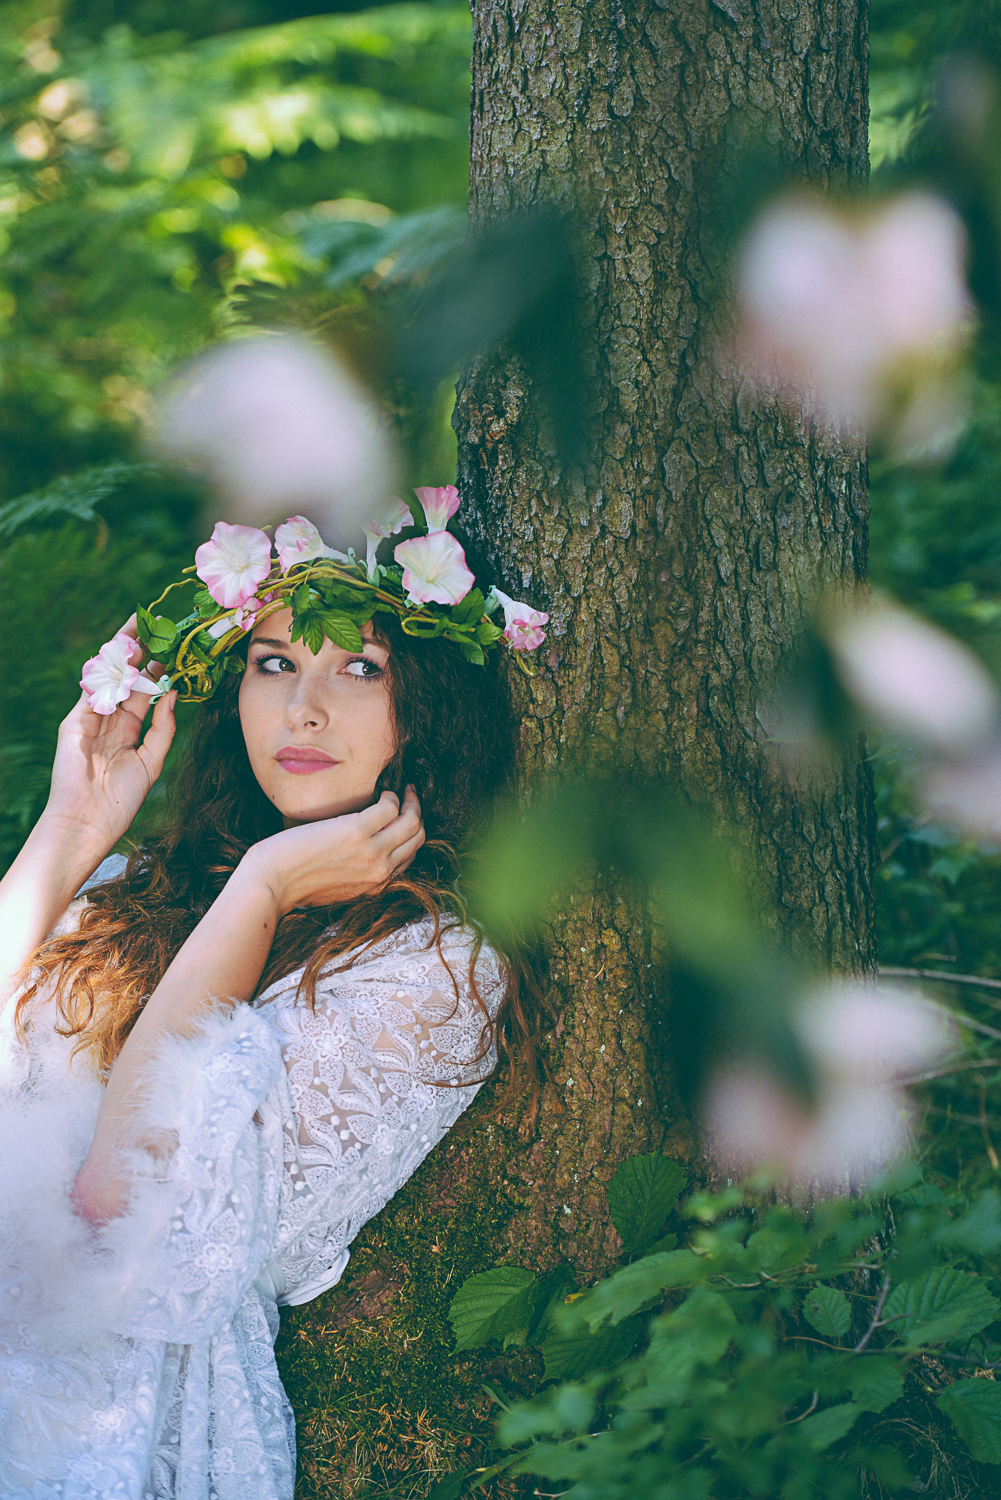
[(232, 1052)]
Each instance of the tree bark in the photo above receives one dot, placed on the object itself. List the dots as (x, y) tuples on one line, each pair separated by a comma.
[(676, 561)]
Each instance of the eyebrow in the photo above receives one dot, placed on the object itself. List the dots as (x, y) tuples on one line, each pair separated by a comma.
[(269, 640)]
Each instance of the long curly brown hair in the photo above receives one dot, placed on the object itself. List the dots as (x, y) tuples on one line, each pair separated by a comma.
[(454, 744)]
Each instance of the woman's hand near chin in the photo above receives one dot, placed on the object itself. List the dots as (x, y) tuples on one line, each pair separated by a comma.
[(335, 860)]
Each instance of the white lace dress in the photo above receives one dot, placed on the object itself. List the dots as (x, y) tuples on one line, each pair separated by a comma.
[(137, 1361)]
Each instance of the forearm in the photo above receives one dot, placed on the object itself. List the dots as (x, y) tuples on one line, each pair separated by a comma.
[(220, 964), (51, 867)]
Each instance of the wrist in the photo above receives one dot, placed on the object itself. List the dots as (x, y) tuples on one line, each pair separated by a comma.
[(259, 885), (73, 849)]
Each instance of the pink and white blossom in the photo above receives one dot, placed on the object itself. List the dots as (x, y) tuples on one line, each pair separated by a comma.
[(298, 540), (394, 516), (915, 679), (832, 305), (246, 613), (233, 563), (279, 421), (863, 1043), (109, 677), (434, 569), (522, 624), (439, 505)]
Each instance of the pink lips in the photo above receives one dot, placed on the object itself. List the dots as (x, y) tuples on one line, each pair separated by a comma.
[(303, 760)]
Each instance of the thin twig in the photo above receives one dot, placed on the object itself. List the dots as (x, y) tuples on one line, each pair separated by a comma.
[(809, 1409), (940, 976), (884, 1292), (992, 1155)]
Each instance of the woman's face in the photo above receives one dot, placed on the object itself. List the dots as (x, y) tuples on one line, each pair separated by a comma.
[(318, 729)]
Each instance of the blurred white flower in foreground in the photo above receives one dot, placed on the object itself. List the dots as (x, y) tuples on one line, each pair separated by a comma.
[(835, 308), (861, 1040), (913, 679), (280, 427)]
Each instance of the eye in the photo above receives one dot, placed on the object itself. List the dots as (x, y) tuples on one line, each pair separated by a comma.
[(362, 666), (272, 665)]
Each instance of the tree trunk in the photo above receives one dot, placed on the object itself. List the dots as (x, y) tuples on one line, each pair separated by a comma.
[(675, 564)]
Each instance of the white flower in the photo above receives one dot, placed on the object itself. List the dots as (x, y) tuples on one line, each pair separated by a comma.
[(298, 540), (233, 563), (861, 1042), (522, 624), (109, 677), (278, 424), (915, 679), (830, 304), (439, 505), (394, 516), (434, 569)]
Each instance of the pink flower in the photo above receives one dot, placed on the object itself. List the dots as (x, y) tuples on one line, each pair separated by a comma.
[(393, 519), (434, 569), (522, 624), (233, 563), (440, 505), (246, 613), (109, 677), (298, 540)]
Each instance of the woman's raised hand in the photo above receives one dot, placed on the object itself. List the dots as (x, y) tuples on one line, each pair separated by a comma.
[(105, 767), (338, 859)]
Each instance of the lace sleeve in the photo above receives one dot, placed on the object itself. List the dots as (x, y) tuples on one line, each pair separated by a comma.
[(377, 1073)]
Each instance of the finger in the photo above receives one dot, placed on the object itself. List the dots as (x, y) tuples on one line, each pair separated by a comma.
[(375, 819), (402, 856), (159, 736)]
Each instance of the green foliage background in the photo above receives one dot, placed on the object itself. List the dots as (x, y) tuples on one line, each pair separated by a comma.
[(174, 170)]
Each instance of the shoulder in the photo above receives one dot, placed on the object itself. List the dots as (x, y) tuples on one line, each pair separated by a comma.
[(412, 957)]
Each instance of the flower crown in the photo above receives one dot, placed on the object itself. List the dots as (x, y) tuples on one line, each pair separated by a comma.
[(331, 594)]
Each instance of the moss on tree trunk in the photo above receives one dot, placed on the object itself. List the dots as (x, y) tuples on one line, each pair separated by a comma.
[(675, 563)]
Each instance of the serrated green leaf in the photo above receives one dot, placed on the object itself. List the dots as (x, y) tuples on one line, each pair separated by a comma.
[(698, 1333), (974, 1408), (826, 1427), (342, 630), (628, 1289), (640, 1197), (876, 1383), (943, 1303), (490, 1305), (571, 1356), (828, 1311)]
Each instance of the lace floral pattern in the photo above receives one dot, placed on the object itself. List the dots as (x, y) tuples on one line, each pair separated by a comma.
[(139, 1363)]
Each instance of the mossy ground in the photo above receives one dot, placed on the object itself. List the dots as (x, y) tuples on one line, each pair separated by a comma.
[(384, 1407)]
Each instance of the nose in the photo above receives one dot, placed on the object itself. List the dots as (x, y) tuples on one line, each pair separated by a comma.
[(304, 707)]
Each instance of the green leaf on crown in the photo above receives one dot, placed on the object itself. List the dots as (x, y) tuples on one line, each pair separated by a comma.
[(468, 610), (156, 633), (486, 633), (640, 1197), (300, 600), (342, 630), (470, 650), (205, 604), (308, 628)]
